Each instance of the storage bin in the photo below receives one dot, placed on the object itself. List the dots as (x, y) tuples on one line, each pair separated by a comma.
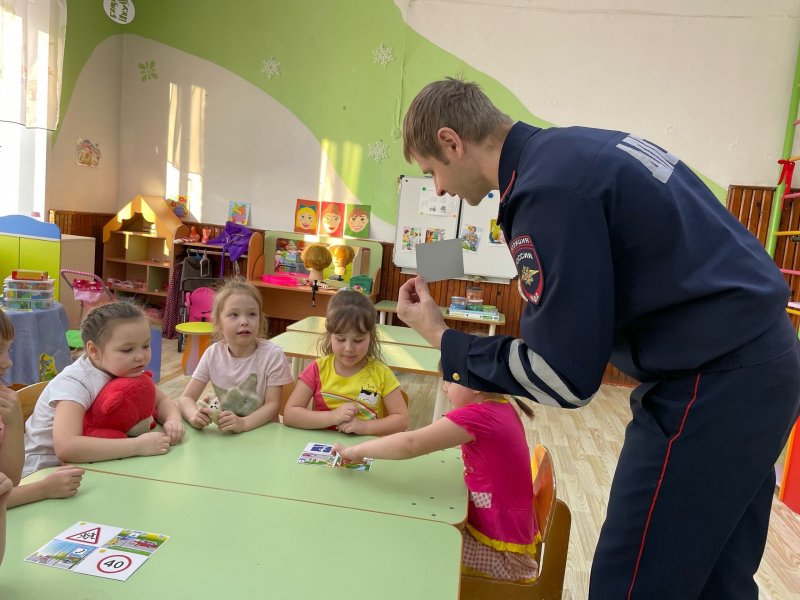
[(474, 293), (458, 302), (474, 304), (27, 304), (27, 284)]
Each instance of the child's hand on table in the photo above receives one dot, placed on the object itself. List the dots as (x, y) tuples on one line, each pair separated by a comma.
[(354, 425), (152, 443), (63, 482), (230, 421), (174, 430), (201, 419)]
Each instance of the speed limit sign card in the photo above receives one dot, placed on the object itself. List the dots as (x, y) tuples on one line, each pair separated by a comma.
[(100, 550)]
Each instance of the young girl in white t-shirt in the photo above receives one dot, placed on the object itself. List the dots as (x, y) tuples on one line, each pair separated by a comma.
[(246, 371), (117, 344)]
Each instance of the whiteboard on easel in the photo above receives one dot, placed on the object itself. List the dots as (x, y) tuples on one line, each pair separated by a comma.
[(422, 216), (485, 250)]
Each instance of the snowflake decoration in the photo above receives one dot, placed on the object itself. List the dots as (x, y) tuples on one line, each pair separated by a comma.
[(378, 151), (383, 55), (271, 67), (148, 70)]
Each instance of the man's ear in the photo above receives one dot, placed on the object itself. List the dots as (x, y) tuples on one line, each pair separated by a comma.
[(450, 141)]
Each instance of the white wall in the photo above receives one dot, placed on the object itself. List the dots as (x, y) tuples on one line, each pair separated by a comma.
[(94, 113), (709, 80), (221, 138)]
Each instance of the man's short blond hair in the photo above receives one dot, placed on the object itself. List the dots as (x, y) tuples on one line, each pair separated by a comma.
[(454, 103)]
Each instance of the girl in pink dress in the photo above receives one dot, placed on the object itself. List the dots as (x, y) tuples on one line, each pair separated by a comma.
[(501, 531)]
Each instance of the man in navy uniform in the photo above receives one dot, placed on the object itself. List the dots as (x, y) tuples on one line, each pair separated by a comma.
[(624, 255)]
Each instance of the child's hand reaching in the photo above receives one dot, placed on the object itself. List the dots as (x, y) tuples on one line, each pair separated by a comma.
[(344, 413), (230, 421), (63, 482), (349, 454)]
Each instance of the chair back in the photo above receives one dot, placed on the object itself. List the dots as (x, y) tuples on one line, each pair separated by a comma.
[(285, 393), (554, 519), (201, 302), (28, 397)]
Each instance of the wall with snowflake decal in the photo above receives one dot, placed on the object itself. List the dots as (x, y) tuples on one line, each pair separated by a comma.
[(304, 99)]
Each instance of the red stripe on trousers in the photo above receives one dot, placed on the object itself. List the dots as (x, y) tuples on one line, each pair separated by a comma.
[(660, 480)]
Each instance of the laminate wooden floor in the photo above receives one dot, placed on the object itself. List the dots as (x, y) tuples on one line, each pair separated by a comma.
[(585, 444)]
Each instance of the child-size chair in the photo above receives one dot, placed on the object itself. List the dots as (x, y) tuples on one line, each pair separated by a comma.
[(28, 396), (554, 519), (197, 306)]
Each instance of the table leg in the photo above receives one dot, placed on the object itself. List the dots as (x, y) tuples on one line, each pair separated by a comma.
[(295, 367), (196, 344), (389, 318), (382, 317), (492, 327)]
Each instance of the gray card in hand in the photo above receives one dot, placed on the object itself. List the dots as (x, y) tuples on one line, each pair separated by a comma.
[(440, 260)]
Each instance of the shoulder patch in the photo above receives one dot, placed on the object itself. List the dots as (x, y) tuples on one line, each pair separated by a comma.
[(531, 280)]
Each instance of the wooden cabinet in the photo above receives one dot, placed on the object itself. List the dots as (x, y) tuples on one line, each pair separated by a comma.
[(138, 248)]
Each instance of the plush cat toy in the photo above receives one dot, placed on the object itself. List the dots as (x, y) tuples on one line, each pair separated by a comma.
[(126, 406), (213, 405)]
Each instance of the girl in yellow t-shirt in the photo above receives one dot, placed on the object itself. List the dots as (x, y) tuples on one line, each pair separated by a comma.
[(352, 390)]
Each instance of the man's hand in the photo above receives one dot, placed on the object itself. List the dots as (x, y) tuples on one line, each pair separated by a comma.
[(417, 309)]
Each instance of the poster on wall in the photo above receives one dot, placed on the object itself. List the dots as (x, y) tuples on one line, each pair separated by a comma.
[(331, 219), (305, 216), (471, 237), (239, 212), (87, 153), (496, 237), (357, 220), (411, 237)]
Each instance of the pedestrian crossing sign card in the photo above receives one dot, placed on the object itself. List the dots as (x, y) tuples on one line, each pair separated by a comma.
[(99, 550), (318, 453)]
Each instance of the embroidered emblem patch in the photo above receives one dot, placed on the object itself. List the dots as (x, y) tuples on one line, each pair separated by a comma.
[(531, 280)]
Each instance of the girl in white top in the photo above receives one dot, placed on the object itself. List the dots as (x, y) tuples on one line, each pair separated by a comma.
[(117, 343), (247, 372)]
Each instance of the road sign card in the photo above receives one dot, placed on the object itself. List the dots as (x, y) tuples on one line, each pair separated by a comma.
[(99, 550)]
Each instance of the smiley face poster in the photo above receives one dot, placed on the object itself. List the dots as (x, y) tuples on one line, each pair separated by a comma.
[(331, 219), (305, 216), (357, 220)]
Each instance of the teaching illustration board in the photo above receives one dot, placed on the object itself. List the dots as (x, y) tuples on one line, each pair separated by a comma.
[(422, 216)]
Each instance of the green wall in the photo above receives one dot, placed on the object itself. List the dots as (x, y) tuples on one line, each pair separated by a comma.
[(328, 75)]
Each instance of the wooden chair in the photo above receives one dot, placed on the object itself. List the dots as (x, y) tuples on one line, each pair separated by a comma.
[(28, 397), (285, 393), (554, 520)]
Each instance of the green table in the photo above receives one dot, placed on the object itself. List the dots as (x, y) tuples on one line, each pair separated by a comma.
[(302, 345), (230, 545), (387, 334), (264, 462), (389, 307)]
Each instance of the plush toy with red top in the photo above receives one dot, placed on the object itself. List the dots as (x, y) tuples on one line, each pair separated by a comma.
[(125, 407)]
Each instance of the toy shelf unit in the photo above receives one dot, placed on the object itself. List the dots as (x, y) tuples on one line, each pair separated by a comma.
[(138, 248)]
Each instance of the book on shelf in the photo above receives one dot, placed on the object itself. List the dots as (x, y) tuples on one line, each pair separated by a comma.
[(478, 315)]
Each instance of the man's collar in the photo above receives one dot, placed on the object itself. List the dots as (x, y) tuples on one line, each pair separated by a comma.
[(512, 148)]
